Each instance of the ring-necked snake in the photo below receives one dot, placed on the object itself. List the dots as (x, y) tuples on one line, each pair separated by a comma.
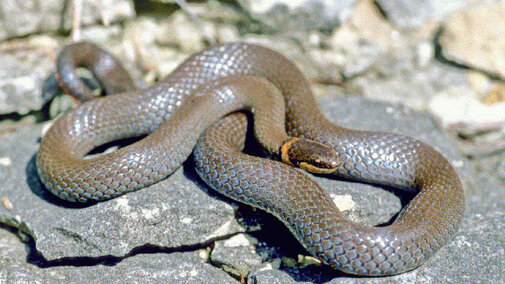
[(226, 78)]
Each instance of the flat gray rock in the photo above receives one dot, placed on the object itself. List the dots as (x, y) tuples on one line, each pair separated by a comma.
[(396, 81), (152, 268), (299, 15), (407, 13), (415, 13), (176, 212), (180, 213)]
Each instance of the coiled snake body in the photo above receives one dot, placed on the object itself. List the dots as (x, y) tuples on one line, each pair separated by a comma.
[(207, 84)]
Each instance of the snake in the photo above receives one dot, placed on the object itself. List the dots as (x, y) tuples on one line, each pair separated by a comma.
[(188, 112)]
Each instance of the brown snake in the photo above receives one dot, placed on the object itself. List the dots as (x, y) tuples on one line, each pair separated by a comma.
[(202, 87)]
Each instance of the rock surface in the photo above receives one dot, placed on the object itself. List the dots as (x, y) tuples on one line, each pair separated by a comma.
[(173, 213), (462, 105), (236, 255), (407, 13), (400, 81), (385, 63), (471, 38), (299, 15), (25, 67), (179, 212), (415, 13), (17, 86), (181, 231), (34, 16), (176, 267)]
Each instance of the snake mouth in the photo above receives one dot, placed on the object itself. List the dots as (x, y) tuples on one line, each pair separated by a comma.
[(310, 155), (315, 169)]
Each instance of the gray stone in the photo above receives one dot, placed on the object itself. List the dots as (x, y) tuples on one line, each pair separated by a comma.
[(21, 18), (399, 80), (174, 267), (383, 63), (443, 8), (314, 67), (19, 86), (180, 30), (347, 60), (415, 13), (24, 77), (179, 212), (299, 15), (102, 34), (215, 11), (474, 38), (236, 255), (465, 110), (271, 276), (150, 50), (176, 212), (501, 169), (407, 13)]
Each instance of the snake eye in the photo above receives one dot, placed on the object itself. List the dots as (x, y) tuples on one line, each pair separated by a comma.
[(310, 155)]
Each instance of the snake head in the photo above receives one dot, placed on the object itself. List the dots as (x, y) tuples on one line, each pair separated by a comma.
[(310, 155)]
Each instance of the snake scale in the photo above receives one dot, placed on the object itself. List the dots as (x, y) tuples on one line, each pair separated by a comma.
[(188, 102)]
